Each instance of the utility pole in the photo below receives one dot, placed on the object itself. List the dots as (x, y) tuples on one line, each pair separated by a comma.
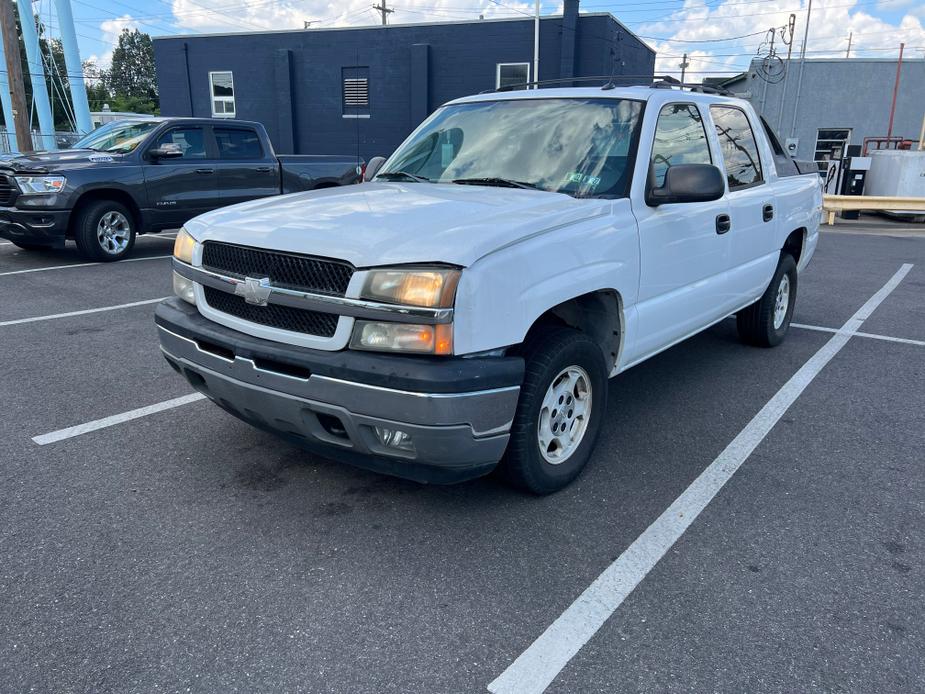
[(684, 65), (796, 98), (383, 10), (14, 71), (848, 52), (899, 67), (536, 46), (788, 32)]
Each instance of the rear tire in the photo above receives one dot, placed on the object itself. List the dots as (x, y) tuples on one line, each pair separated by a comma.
[(562, 403), (105, 231), (765, 322)]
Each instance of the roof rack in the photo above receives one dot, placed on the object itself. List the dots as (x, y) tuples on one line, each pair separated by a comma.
[(655, 82)]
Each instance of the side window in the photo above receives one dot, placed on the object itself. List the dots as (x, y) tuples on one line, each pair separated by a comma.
[(221, 86), (679, 139), (190, 141), (238, 143), (740, 151)]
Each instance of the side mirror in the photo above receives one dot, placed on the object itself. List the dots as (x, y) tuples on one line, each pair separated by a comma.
[(688, 183), (166, 151), (372, 168)]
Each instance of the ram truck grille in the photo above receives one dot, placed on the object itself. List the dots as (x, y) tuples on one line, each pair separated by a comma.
[(273, 315), (8, 191), (287, 270)]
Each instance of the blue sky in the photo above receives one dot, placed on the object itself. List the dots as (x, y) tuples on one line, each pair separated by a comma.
[(708, 30)]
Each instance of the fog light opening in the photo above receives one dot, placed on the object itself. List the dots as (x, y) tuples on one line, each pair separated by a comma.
[(395, 438)]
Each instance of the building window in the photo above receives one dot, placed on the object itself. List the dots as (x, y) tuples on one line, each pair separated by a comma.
[(740, 151), (509, 75), (221, 86), (830, 144), (355, 82)]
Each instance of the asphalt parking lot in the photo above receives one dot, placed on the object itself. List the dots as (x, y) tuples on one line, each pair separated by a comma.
[(753, 520)]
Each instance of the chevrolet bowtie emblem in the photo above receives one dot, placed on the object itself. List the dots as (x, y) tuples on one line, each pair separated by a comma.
[(255, 291)]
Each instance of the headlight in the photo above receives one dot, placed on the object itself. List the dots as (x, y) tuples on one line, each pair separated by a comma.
[(429, 287), (183, 247), (402, 337), (36, 185)]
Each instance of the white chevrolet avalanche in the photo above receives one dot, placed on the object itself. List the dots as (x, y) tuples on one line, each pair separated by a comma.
[(464, 309)]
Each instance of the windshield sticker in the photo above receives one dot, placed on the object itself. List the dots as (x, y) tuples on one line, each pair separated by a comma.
[(583, 179), (101, 157)]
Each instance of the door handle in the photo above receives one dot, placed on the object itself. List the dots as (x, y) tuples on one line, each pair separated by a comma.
[(263, 169), (723, 223), (767, 213), (205, 171)]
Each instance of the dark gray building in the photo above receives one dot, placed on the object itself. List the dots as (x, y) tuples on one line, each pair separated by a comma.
[(331, 91), (841, 101)]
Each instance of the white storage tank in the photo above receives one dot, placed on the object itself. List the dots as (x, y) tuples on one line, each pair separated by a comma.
[(897, 173)]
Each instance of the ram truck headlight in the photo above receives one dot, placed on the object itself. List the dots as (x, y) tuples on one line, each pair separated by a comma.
[(39, 185), (183, 248)]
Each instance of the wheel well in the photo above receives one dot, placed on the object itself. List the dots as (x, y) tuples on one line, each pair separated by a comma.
[(119, 196), (794, 244), (598, 314)]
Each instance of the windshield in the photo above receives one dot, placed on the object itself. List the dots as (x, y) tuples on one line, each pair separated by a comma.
[(119, 137), (581, 147)]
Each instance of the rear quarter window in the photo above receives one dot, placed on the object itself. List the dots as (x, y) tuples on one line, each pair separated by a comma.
[(238, 143)]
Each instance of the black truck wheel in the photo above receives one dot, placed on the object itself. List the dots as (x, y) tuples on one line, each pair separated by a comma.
[(563, 400), (104, 231), (765, 322)]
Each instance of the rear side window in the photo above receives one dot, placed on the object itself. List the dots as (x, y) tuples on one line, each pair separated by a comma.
[(238, 143), (679, 139), (740, 151), (191, 142)]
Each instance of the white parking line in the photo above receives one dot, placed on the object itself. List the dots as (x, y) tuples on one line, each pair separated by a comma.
[(70, 432), (65, 267), (535, 669), (84, 312), (873, 336)]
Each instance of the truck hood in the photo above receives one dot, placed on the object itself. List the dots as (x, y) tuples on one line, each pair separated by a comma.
[(60, 160), (395, 223)]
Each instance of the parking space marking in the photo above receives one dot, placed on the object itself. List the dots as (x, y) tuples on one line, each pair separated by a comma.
[(96, 424), (69, 314), (873, 336), (64, 267), (535, 669)]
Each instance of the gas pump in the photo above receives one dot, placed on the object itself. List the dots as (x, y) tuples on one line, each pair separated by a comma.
[(853, 176)]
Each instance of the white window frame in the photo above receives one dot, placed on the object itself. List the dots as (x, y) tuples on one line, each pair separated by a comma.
[(498, 67), (223, 99)]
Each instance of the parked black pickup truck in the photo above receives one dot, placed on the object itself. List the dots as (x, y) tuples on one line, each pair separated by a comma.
[(139, 176)]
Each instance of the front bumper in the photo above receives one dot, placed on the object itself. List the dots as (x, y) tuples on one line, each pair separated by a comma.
[(457, 411), (45, 227)]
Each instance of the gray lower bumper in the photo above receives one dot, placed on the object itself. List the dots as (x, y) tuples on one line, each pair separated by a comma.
[(455, 436)]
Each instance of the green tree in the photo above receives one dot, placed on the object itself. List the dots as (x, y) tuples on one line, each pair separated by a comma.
[(131, 80)]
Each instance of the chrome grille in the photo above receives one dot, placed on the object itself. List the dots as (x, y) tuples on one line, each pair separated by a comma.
[(8, 191), (273, 315), (286, 270)]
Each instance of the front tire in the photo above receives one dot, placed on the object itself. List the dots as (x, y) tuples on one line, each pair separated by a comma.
[(765, 323), (562, 403), (105, 231)]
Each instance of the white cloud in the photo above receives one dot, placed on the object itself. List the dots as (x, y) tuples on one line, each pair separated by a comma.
[(253, 15), (111, 29), (828, 37)]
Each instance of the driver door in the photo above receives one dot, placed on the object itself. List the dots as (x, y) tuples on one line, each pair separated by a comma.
[(182, 187), (684, 251)]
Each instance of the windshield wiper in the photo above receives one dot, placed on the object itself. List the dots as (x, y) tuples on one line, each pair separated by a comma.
[(496, 181), (403, 174)]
